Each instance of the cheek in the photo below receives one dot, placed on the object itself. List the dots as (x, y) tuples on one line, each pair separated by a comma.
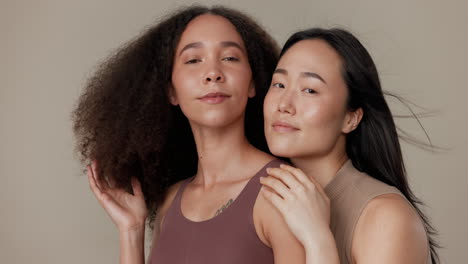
[(269, 104), (314, 115), (239, 80), (244, 74), (323, 123), (182, 83)]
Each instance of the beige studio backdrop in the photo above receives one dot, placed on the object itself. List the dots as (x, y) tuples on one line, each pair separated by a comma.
[(48, 49)]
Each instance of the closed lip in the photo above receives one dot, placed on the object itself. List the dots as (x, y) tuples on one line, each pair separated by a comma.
[(214, 94), (284, 124)]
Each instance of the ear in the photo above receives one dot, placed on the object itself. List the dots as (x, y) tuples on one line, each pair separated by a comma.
[(172, 96), (252, 90), (352, 120)]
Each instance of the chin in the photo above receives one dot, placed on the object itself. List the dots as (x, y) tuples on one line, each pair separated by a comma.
[(281, 150), (217, 120)]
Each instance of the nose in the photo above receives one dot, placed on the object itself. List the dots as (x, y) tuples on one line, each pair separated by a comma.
[(215, 78), (285, 104), (213, 74)]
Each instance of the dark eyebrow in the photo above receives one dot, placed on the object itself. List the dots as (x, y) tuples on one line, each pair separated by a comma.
[(282, 71), (303, 74), (227, 44), (191, 45), (313, 75), (224, 44)]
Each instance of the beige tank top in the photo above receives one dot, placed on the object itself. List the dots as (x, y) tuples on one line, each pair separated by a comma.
[(349, 193)]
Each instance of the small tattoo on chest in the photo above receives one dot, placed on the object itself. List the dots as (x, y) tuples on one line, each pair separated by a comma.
[(220, 210)]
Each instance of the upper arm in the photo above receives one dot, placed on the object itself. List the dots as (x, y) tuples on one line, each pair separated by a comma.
[(170, 195), (286, 248), (389, 230)]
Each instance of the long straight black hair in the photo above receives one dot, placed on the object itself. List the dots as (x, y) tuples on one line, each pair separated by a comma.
[(373, 146)]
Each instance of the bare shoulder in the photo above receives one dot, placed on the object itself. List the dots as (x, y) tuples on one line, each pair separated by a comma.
[(389, 230), (263, 213), (274, 232)]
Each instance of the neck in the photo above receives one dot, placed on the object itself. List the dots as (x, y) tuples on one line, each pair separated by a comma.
[(323, 168), (221, 152)]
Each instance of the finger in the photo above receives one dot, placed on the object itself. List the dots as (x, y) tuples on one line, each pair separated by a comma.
[(297, 173), (94, 174), (98, 191), (136, 187), (103, 198), (278, 186), (103, 185), (111, 182), (92, 183), (286, 177), (274, 199), (305, 179)]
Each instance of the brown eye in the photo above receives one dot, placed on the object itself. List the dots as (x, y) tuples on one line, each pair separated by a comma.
[(192, 61), (309, 91), (230, 59), (278, 85)]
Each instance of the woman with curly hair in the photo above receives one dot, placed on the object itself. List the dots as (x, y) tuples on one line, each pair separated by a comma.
[(348, 200), (172, 125)]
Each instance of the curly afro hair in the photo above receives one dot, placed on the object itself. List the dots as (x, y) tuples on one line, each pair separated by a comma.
[(124, 119)]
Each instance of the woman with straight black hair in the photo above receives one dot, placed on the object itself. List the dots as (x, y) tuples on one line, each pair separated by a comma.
[(348, 200)]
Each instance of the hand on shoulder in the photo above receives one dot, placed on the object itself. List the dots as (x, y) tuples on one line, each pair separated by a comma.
[(301, 201), (305, 208), (275, 233)]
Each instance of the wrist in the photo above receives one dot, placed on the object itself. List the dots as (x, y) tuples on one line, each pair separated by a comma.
[(133, 238), (132, 228), (319, 241), (132, 245), (132, 231), (322, 248)]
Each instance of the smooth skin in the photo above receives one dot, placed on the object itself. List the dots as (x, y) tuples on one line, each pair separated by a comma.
[(207, 61), (306, 119)]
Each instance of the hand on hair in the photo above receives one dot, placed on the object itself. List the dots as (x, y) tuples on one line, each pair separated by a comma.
[(127, 211)]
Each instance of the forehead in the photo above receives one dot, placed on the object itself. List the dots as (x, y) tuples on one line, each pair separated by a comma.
[(315, 54), (210, 28)]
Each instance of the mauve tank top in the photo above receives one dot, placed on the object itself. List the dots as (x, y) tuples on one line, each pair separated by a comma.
[(229, 237)]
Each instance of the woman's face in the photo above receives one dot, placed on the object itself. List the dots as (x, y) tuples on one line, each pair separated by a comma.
[(211, 77), (305, 107)]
